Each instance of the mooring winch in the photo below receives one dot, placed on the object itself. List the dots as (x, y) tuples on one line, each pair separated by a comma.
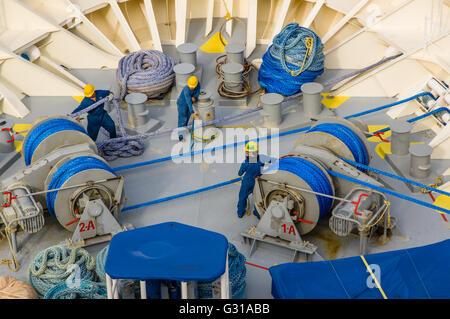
[(65, 176), (296, 192)]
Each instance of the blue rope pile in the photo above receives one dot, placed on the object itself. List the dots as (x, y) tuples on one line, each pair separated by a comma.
[(312, 175), (236, 272), (346, 135), (69, 169), (44, 130), (145, 71), (288, 63), (56, 264), (100, 261), (84, 290)]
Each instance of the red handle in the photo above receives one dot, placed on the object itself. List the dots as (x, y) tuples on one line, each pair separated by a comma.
[(357, 203), (10, 198), (10, 133), (379, 135)]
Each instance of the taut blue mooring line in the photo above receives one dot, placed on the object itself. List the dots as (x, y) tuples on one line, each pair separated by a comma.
[(165, 199), (376, 109)]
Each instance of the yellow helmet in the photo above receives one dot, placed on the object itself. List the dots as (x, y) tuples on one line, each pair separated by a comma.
[(89, 90), (192, 82), (251, 147)]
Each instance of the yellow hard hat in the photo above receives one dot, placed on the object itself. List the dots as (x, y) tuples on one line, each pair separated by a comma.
[(192, 82), (251, 147), (89, 90)]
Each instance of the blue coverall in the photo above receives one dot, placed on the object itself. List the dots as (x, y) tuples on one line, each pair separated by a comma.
[(97, 117), (184, 104), (252, 170)]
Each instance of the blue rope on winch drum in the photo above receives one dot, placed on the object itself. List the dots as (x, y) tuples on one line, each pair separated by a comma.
[(346, 135), (68, 170), (312, 175), (44, 130)]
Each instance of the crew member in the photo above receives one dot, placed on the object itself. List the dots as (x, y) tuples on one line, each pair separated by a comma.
[(251, 168), (189, 94), (97, 117)]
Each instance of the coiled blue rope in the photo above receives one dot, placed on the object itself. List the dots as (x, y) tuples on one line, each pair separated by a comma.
[(69, 169), (294, 58), (44, 130), (346, 135), (84, 289), (56, 264), (312, 175), (237, 273)]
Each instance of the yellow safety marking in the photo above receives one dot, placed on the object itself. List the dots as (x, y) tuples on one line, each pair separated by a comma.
[(18, 146), (333, 102), (384, 148), (78, 98), (373, 277), (21, 128), (442, 201), (376, 128), (215, 44)]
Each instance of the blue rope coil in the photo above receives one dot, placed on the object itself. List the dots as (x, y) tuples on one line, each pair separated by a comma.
[(312, 175), (237, 273), (85, 289), (294, 58), (346, 135), (44, 130), (69, 169)]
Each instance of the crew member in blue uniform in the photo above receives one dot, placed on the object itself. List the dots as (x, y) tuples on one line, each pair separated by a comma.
[(251, 168), (189, 94), (97, 117)]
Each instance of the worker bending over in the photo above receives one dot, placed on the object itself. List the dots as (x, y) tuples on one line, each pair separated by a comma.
[(251, 168), (189, 94), (97, 117)]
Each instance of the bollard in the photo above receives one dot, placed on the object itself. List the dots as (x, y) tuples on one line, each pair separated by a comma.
[(137, 111), (235, 53), (271, 103), (183, 72), (206, 107), (420, 166), (232, 74), (312, 98), (401, 131), (188, 53)]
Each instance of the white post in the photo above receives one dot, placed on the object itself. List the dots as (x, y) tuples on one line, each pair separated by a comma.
[(180, 14), (184, 290), (315, 10), (124, 24), (229, 25), (153, 26), (143, 290), (344, 20), (251, 27), (109, 287), (224, 283), (280, 19), (209, 17), (115, 288)]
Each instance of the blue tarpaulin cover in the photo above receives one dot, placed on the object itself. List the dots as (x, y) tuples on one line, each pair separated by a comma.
[(421, 272), (167, 251)]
